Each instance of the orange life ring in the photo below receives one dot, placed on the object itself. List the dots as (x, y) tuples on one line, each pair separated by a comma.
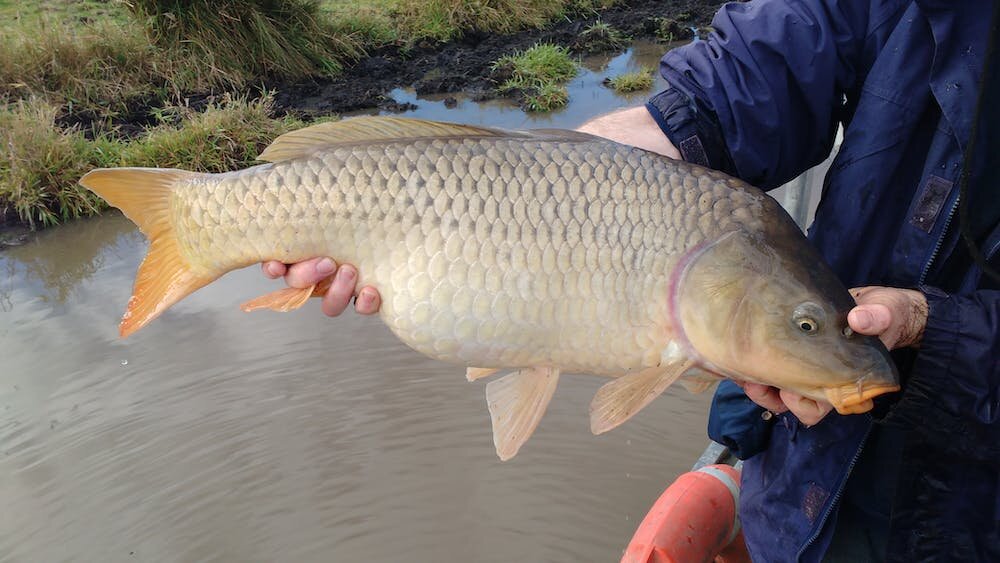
[(694, 520)]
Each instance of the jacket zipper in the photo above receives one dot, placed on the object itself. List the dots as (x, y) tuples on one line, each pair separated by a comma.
[(993, 250), (940, 241), (839, 493)]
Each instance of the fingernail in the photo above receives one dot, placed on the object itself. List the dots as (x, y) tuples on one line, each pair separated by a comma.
[(367, 297), (862, 320), (325, 267), (272, 269), (347, 273)]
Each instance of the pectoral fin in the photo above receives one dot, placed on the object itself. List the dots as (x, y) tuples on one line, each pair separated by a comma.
[(697, 385), (619, 400), (697, 380), (287, 299), (517, 402)]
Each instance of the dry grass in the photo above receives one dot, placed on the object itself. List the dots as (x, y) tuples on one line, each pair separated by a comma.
[(41, 163), (247, 39)]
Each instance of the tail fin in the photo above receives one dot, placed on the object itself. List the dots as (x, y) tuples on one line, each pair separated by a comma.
[(165, 277)]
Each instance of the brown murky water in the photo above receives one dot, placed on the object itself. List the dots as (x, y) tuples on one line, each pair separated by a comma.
[(214, 435)]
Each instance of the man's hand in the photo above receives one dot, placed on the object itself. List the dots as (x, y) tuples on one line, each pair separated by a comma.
[(808, 411), (896, 316), (344, 286)]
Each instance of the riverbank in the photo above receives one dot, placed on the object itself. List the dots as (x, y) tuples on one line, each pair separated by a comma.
[(52, 136)]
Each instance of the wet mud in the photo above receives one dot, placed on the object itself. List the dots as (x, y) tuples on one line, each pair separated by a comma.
[(465, 65)]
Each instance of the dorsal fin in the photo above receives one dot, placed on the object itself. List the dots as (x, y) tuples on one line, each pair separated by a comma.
[(302, 142)]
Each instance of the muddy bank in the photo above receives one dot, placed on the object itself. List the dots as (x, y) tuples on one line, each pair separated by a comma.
[(465, 65)]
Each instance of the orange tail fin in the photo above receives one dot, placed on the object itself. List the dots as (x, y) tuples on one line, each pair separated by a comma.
[(165, 277)]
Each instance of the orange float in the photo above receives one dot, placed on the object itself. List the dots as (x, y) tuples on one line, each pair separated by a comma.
[(694, 520)]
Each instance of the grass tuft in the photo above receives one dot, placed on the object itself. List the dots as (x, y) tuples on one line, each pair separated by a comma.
[(539, 74), (226, 136), (632, 81), (601, 37), (40, 164), (546, 98), (244, 39)]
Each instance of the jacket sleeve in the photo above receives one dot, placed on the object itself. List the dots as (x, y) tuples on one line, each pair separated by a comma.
[(772, 81), (953, 391)]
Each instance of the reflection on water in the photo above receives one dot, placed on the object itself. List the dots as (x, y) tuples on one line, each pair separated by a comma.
[(81, 248), (216, 435)]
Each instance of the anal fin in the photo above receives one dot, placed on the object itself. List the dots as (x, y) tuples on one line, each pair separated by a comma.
[(287, 299), (473, 374), (619, 400), (517, 403)]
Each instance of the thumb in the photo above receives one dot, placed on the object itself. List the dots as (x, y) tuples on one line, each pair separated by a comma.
[(873, 319)]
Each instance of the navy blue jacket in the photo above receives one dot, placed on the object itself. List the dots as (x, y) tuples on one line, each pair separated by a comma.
[(762, 98)]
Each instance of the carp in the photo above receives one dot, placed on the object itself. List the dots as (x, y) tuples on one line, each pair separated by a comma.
[(542, 252)]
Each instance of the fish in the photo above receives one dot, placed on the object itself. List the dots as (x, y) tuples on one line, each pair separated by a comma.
[(528, 252)]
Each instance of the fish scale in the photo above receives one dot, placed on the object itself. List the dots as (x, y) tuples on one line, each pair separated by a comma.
[(542, 251), (578, 257)]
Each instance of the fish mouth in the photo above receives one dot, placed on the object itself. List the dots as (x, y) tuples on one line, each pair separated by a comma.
[(856, 399)]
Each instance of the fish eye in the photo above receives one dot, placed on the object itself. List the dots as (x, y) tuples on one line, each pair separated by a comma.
[(807, 317)]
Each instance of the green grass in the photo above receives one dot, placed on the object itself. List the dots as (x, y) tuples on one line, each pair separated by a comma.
[(539, 73), (632, 81), (42, 163), (226, 136), (600, 37)]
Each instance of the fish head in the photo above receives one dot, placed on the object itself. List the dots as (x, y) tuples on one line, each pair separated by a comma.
[(769, 310)]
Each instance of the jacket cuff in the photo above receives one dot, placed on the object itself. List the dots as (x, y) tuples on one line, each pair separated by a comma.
[(939, 343), (929, 367), (939, 400), (737, 422), (692, 128)]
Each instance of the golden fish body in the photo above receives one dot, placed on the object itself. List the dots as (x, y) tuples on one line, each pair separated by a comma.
[(490, 252), (541, 251)]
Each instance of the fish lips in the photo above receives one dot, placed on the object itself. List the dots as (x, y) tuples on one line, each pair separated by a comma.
[(856, 398)]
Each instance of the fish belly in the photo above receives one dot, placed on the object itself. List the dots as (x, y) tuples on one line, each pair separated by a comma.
[(490, 252)]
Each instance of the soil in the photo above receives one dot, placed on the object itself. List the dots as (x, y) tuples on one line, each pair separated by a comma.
[(465, 64)]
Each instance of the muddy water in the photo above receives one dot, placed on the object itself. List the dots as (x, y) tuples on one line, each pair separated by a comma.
[(217, 435), (588, 96)]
